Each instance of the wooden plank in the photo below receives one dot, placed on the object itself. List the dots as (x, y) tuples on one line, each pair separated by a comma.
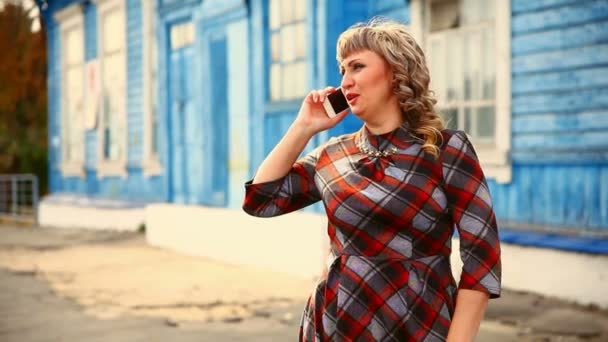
[(561, 140), (567, 80), (560, 157), (519, 6), (567, 38), (566, 59), (565, 122), (561, 102), (560, 17)]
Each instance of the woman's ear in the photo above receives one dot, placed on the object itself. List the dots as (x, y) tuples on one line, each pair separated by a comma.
[(395, 84)]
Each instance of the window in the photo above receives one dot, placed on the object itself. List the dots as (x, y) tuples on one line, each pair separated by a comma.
[(151, 163), (112, 56), (467, 45), (288, 71), (72, 89), (461, 49)]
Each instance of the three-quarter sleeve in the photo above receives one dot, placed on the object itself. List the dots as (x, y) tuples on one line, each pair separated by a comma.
[(472, 212), (294, 191)]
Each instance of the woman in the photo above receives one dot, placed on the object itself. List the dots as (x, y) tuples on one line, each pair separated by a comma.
[(392, 192)]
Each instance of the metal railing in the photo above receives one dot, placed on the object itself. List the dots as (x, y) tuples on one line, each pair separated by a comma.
[(19, 198)]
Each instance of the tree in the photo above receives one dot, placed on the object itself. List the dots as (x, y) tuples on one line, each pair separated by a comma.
[(23, 94)]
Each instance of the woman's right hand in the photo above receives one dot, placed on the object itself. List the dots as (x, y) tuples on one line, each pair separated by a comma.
[(312, 116)]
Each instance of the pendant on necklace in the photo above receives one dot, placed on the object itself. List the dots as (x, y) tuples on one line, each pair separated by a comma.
[(376, 153)]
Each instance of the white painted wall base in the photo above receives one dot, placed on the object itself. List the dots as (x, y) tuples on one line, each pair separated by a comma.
[(293, 244), (577, 277), (289, 243), (65, 211)]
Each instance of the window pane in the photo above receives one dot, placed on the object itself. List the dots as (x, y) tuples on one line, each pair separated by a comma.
[(73, 112), (301, 79), (116, 150), (444, 15), (300, 37), (188, 33), (176, 36), (486, 122), (286, 11), (275, 81), (113, 31), (275, 13), (451, 117), (437, 63), (113, 72), (182, 35), (470, 11), (472, 66), (74, 46), (300, 9), (488, 10), (288, 83), (74, 86), (469, 121), (275, 47), (287, 43), (489, 62), (454, 66), (476, 11), (114, 103)]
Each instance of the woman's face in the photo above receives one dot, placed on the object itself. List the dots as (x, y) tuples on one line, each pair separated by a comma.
[(367, 83)]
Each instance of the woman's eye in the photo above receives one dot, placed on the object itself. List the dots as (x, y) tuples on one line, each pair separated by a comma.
[(357, 66)]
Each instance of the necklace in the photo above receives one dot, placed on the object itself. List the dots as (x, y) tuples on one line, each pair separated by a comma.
[(376, 153)]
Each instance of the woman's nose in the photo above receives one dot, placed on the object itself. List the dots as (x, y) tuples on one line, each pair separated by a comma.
[(347, 82)]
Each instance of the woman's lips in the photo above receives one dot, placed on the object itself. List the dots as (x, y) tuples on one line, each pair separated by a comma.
[(352, 98)]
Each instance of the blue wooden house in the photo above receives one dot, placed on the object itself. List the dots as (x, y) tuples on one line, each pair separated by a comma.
[(179, 100)]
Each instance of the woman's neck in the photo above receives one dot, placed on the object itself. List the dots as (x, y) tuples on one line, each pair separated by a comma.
[(385, 122)]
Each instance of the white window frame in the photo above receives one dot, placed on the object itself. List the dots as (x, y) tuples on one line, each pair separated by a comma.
[(70, 18), (282, 95), (151, 161), (494, 160), (118, 167)]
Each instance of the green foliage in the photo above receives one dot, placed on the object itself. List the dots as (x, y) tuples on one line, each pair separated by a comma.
[(23, 94), (141, 228)]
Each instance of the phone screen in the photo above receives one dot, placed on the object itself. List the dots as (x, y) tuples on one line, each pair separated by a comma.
[(338, 101), (335, 103)]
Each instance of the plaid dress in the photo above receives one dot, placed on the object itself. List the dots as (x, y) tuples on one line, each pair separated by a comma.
[(390, 222)]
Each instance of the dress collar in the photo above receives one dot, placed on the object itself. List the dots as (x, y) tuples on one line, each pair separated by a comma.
[(399, 138)]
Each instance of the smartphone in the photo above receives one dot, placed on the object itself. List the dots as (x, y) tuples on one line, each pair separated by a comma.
[(335, 103)]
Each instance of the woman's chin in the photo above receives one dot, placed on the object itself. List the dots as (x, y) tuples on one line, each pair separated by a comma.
[(358, 112)]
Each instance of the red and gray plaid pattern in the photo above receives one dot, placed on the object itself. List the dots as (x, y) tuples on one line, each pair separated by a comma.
[(390, 222)]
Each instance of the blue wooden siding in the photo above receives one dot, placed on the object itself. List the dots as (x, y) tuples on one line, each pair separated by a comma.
[(135, 86), (559, 117), (394, 9), (238, 106), (559, 101), (219, 120), (258, 21), (559, 17), (90, 136), (135, 186), (327, 19), (336, 11), (54, 127)]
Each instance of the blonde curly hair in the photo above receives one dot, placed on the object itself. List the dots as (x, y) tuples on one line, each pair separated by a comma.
[(411, 78)]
